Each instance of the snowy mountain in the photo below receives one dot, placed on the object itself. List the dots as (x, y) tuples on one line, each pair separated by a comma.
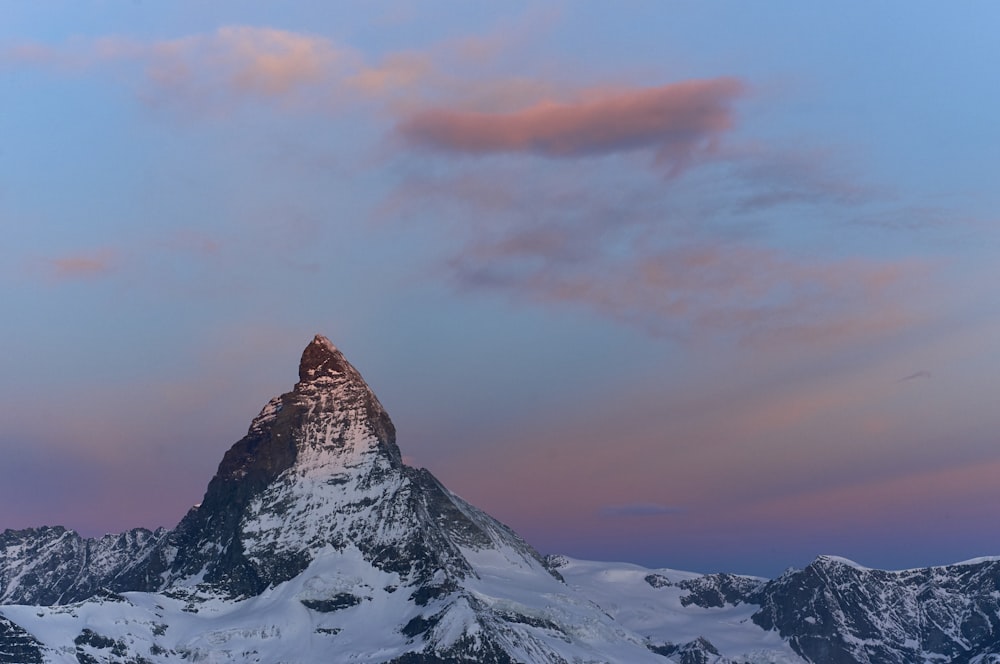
[(315, 543), (57, 566)]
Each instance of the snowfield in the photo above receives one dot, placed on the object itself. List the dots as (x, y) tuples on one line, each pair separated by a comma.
[(603, 612)]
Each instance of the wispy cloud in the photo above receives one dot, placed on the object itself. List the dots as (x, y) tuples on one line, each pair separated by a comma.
[(915, 376), (211, 71), (763, 178), (640, 510), (234, 61), (744, 292), (622, 250), (81, 266), (239, 63), (215, 72), (397, 71)]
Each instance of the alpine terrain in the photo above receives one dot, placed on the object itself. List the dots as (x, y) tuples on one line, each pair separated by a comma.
[(314, 543)]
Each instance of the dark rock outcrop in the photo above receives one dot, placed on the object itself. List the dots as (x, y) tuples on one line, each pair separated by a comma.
[(17, 646), (718, 590)]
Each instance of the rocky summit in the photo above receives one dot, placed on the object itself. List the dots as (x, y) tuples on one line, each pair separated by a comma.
[(314, 542)]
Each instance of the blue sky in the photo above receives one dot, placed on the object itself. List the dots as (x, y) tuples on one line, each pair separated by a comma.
[(701, 285)]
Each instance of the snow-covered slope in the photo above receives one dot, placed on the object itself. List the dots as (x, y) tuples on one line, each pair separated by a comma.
[(679, 610), (343, 609)]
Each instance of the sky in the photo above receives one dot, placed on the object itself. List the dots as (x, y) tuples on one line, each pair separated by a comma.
[(709, 286)]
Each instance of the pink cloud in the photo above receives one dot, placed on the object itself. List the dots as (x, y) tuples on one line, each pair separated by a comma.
[(31, 54), (398, 71), (676, 121), (206, 71), (261, 61), (239, 63), (82, 266)]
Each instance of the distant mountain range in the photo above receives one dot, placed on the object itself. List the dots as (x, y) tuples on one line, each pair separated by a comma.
[(315, 543)]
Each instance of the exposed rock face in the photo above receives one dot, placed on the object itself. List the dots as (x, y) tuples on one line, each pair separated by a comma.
[(718, 590), (699, 651), (838, 612)]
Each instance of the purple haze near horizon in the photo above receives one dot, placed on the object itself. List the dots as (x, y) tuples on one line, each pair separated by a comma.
[(704, 286)]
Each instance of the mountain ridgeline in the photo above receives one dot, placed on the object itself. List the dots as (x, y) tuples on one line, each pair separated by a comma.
[(314, 542)]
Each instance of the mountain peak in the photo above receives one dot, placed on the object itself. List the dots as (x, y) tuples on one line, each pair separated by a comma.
[(330, 386), (320, 358)]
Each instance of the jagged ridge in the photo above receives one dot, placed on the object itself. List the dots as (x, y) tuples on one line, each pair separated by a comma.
[(53, 565), (838, 612)]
